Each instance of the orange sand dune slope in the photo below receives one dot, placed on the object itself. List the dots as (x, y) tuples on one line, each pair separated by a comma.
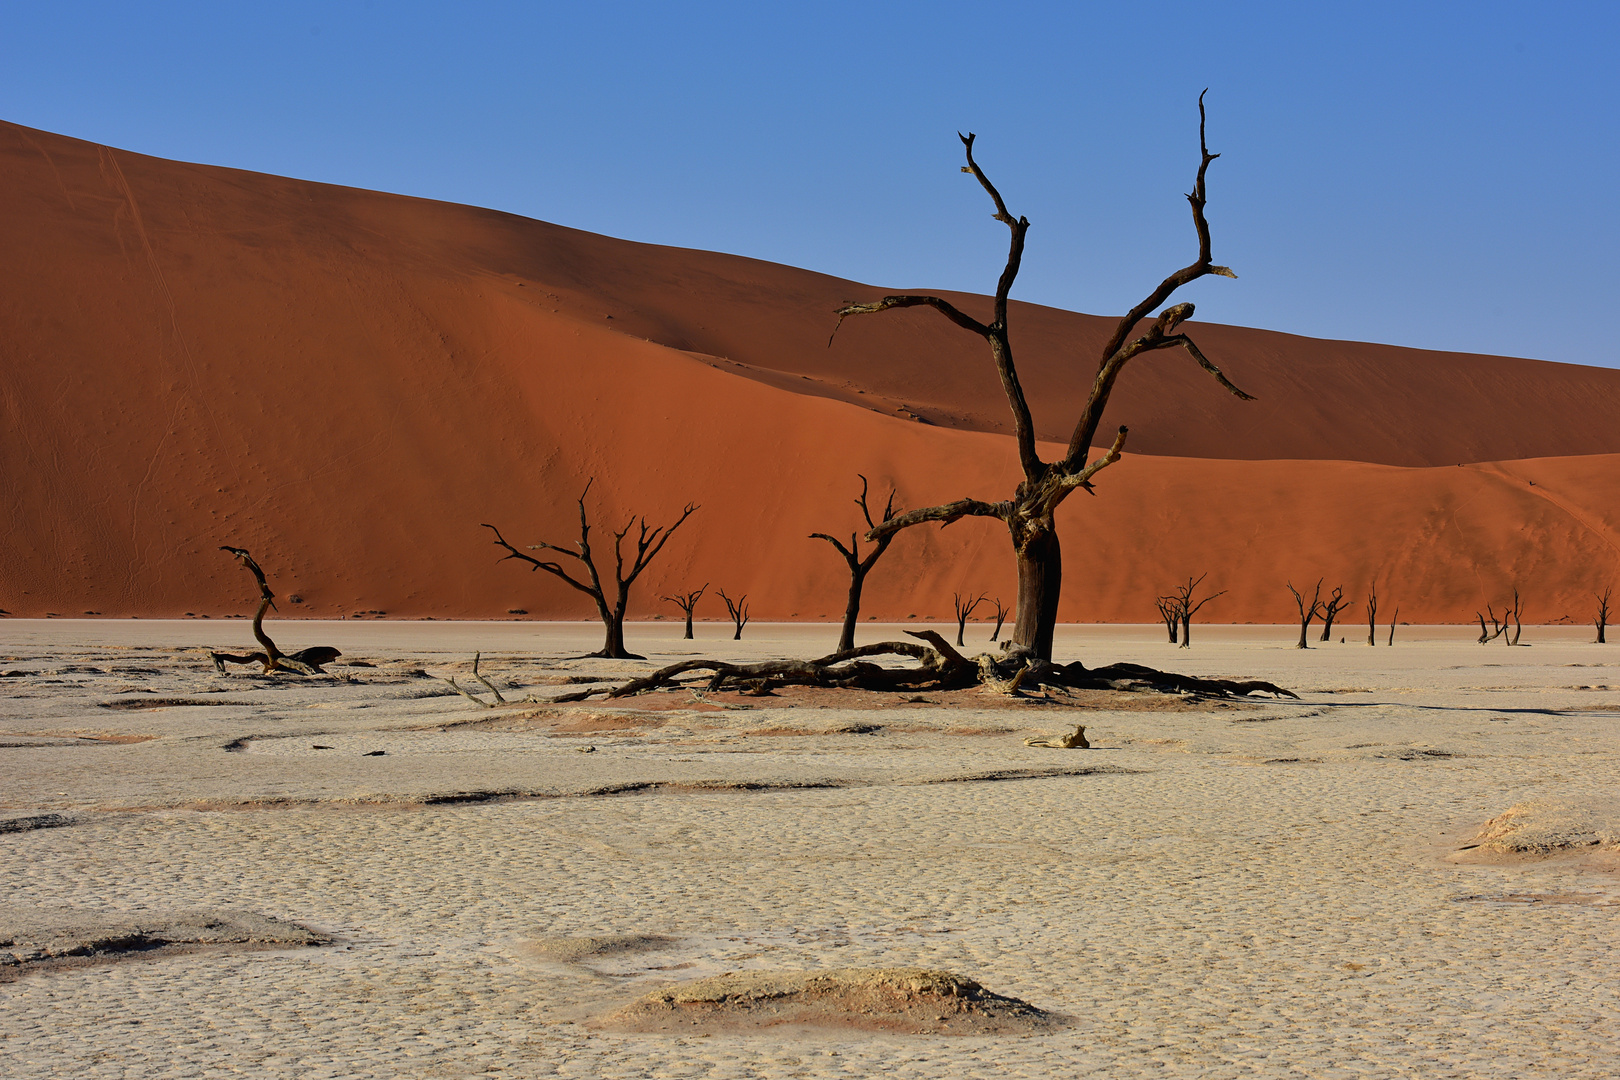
[(347, 383)]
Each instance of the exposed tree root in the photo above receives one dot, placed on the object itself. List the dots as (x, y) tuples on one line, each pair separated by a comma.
[(940, 667)]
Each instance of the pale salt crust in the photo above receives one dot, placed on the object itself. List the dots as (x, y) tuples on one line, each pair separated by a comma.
[(1243, 892)]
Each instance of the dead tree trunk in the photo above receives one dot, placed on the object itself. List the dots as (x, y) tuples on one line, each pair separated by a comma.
[(686, 602), (1330, 610), (1392, 619), (1498, 626), (739, 612), (1001, 617), (1372, 614), (1306, 614), (303, 662), (649, 542), (1028, 515), (1186, 609), (1516, 613), (1602, 616), (859, 567), (1170, 612), (964, 609)]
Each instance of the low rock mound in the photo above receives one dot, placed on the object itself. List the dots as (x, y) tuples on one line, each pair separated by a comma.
[(1541, 828), (903, 1000), (35, 940), (574, 950)]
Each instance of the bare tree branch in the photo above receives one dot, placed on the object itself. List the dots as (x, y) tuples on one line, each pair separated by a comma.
[(945, 514)]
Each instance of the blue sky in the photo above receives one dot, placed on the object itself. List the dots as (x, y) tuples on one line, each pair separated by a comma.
[(1436, 175)]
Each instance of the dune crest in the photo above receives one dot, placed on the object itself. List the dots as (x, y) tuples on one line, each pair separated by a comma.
[(348, 382)]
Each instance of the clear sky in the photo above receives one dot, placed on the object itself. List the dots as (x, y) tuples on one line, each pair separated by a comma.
[(1438, 175)]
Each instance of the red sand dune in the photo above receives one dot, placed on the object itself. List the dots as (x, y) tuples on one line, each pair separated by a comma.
[(347, 383)]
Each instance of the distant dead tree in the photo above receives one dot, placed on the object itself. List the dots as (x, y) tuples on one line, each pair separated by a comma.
[(1331, 609), (1500, 627), (1185, 609), (1306, 614), (303, 662), (649, 542), (1372, 613), (1001, 617), (1602, 616), (1516, 613), (1028, 514), (686, 602), (1392, 619), (964, 609), (739, 612), (1170, 613), (859, 567)]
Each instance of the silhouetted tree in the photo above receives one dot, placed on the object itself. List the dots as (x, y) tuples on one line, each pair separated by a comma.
[(1001, 617), (738, 609), (1170, 612), (1331, 609), (649, 542), (1602, 616), (1028, 514), (303, 662), (686, 602), (1372, 613), (1392, 619), (1306, 614), (859, 567), (964, 609), (1186, 609)]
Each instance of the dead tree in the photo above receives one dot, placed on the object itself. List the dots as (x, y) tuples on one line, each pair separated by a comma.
[(1001, 617), (1602, 616), (1372, 613), (739, 612), (1498, 626), (940, 667), (1331, 609), (686, 602), (1028, 515), (1516, 613), (964, 609), (1186, 609), (303, 662), (1170, 613), (1392, 619), (859, 567), (1306, 614), (649, 542)]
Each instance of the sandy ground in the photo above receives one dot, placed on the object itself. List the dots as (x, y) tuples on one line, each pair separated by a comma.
[(1265, 889)]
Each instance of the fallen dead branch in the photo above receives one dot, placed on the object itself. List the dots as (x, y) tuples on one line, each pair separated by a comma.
[(939, 667), (499, 700)]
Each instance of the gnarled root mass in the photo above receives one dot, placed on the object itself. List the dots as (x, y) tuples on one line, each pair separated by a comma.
[(940, 667)]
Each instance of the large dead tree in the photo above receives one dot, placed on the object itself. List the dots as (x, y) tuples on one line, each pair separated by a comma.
[(859, 567), (686, 602), (964, 611), (1331, 608), (649, 542), (1028, 515), (1306, 614), (1185, 609), (303, 662), (1602, 616)]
